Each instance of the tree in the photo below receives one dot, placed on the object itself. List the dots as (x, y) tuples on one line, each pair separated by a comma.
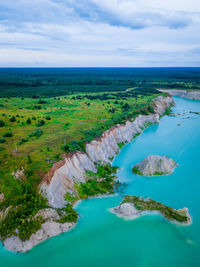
[(41, 123), (2, 140), (2, 123), (29, 160), (28, 121), (12, 119), (8, 134)]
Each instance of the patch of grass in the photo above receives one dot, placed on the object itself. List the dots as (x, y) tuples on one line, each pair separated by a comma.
[(167, 111), (136, 135), (70, 214), (136, 171), (101, 182), (120, 145), (159, 173), (70, 197)]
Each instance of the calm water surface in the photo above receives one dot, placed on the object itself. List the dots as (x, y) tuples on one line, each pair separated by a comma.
[(102, 239)]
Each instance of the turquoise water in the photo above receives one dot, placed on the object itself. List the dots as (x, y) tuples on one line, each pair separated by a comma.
[(102, 239)]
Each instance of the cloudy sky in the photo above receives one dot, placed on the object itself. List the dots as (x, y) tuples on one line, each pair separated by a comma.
[(99, 33)]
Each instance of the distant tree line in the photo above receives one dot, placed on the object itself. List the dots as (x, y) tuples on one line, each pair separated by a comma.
[(41, 82)]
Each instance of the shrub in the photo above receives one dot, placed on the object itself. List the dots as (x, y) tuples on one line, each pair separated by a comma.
[(66, 148), (71, 215), (37, 107), (48, 118), (28, 121), (37, 133), (8, 134), (2, 123), (2, 140), (27, 228), (29, 160), (12, 119), (136, 171), (42, 101), (126, 106), (24, 140), (41, 123)]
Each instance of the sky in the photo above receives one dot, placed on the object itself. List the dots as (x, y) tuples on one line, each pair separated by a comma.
[(100, 33)]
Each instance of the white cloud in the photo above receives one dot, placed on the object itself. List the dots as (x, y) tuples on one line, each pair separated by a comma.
[(99, 33)]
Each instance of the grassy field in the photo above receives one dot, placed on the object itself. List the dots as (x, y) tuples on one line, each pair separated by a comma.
[(66, 121)]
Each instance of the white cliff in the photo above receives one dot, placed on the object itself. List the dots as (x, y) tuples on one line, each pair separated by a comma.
[(63, 174)]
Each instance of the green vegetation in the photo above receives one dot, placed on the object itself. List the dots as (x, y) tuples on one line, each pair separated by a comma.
[(2, 123), (71, 197), (120, 145), (137, 134), (143, 204), (50, 82), (70, 215), (167, 111), (136, 171), (2, 140), (21, 202), (8, 134), (62, 125), (28, 121), (101, 182), (159, 173)]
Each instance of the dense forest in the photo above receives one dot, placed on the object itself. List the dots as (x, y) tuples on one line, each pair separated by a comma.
[(51, 82)]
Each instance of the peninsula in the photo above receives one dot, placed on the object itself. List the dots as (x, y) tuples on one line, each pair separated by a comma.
[(133, 206)]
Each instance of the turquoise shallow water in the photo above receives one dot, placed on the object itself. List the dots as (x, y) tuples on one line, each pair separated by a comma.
[(102, 239)]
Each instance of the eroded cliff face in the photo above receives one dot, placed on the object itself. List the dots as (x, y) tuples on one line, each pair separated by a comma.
[(62, 176)]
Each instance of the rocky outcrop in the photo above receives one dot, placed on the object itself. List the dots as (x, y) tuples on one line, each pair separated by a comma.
[(60, 180), (51, 227), (19, 174), (132, 207), (155, 165), (184, 93), (125, 210)]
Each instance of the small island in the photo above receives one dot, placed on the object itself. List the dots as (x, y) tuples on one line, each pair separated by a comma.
[(132, 206), (154, 165)]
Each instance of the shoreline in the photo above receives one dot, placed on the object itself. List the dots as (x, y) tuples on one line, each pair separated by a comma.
[(141, 121)]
